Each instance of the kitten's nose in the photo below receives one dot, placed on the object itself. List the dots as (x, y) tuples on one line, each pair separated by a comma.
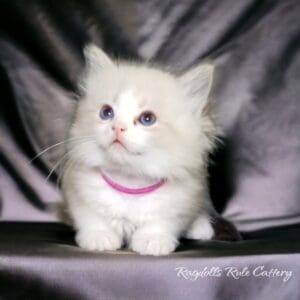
[(119, 127)]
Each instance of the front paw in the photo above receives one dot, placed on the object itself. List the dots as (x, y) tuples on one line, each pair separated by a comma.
[(98, 240), (153, 244)]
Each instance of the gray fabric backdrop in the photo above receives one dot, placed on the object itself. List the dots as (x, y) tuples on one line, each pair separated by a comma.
[(254, 45), (254, 175)]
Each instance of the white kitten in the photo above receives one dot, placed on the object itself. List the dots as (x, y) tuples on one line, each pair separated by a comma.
[(137, 157)]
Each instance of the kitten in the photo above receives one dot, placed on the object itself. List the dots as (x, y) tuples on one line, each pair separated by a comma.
[(137, 157)]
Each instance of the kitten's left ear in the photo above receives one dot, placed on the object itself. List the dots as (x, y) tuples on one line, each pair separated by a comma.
[(197, 83)]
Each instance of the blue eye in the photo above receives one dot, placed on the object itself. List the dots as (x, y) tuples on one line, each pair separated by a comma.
[(106, 112), (147, 118)]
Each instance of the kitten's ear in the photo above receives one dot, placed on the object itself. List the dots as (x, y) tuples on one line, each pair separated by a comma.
[(197, 83), (96, 57), (96, 60)]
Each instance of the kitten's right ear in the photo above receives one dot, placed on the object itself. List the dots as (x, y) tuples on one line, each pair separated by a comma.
[(94, 56)]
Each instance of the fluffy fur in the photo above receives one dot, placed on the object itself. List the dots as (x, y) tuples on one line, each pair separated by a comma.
[(175, 148)]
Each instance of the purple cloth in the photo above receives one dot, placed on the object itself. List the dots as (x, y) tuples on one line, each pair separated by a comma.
[(254, 44), (254, 174)]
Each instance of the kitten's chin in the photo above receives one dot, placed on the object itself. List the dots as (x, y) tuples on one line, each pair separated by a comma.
[(120, 158), (123, 160), (122, 150)]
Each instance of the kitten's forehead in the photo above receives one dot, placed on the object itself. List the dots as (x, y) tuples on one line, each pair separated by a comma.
[(126, 96), (129, 100)]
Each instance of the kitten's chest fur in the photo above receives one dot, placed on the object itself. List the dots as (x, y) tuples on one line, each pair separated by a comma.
[(169, 201)]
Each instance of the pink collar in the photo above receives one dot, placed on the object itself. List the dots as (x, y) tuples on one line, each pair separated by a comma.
[(132, 191)]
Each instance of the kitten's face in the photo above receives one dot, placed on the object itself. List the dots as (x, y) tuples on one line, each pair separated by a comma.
[(138, 120)]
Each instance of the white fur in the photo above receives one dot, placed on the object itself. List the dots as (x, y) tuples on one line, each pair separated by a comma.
[(175, 148)]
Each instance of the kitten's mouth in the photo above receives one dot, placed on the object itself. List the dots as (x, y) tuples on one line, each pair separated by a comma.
[(119, 144), (117, 141)]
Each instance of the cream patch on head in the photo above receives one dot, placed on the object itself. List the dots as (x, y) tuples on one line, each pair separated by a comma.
[(127, 101), (127, 106)]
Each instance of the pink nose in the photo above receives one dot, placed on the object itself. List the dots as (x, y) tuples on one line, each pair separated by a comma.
[(119, 128)]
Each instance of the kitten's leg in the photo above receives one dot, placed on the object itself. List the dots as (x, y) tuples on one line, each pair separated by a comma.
[(93, 232), (159, 238), (201, 228)]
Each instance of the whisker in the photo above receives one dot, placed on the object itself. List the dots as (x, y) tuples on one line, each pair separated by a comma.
[(64, 157), (56, 166), (69, 166), (58, 144), (66, 167)]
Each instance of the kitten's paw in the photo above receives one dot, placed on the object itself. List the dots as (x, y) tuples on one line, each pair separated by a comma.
[(153, 244), (201, 229), (99, 240)]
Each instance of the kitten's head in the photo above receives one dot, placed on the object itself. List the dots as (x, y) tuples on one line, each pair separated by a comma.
[(142, 120)]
